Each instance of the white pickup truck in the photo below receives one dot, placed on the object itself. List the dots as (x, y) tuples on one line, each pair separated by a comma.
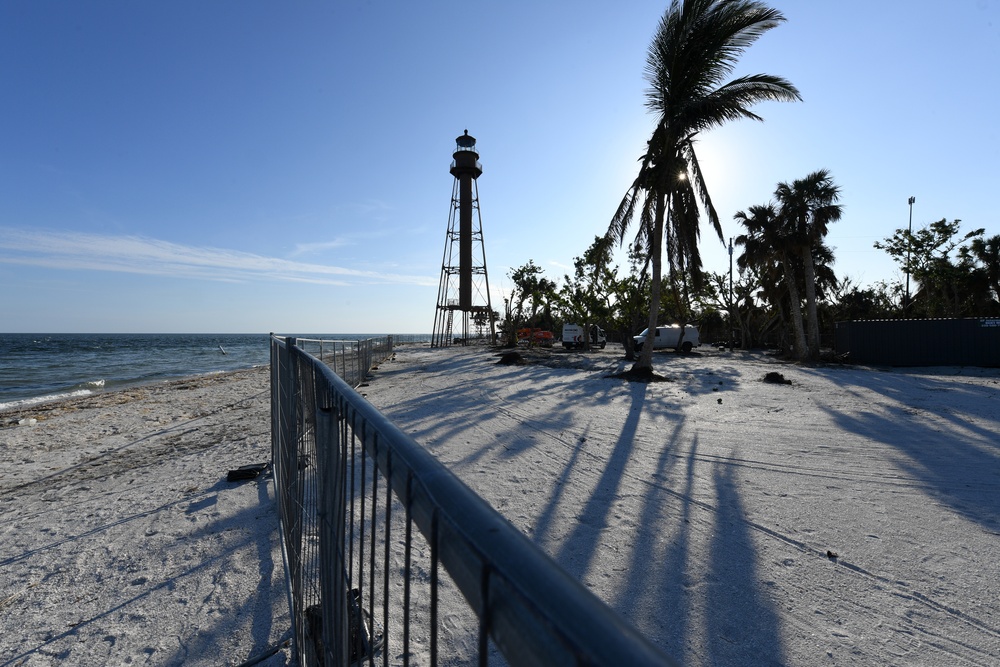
[(573, 336), (667, 336)]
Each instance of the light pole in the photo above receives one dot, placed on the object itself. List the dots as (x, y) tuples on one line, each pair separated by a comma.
[(909, 242)]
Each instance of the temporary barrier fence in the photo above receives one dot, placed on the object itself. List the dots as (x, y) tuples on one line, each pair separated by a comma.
[(349, 359), (971, 341), (466, 587)]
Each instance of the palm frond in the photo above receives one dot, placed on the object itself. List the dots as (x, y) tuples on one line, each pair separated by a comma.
[(701, 187), (623, 216)]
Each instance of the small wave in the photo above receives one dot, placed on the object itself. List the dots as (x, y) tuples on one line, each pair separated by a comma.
[(87, 385), (48, 398)]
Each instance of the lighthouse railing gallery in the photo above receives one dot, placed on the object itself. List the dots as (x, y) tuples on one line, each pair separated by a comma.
[(391, 559)]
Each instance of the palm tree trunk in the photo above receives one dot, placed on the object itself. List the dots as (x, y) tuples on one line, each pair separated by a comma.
[(655, 284), (812, 317), (801, 349), (626, 336)]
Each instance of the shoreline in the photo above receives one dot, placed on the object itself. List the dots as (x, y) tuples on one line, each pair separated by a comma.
[(97, 396), (45, 367)]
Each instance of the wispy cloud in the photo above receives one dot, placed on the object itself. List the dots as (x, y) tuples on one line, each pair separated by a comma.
[(313, 248), (370, 208), (141, 255)]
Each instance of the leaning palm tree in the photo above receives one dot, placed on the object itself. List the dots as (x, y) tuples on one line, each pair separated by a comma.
[(696, 47), (806, 208)]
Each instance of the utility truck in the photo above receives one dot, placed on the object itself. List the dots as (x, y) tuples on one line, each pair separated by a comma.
[(574, 336), (669, 336)]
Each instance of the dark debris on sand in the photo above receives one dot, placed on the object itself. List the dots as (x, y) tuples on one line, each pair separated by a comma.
[(640, 375), (776, 378), (511, 359)]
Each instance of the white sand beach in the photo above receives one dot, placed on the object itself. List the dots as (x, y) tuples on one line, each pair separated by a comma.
[(851, 517), (122, 541)]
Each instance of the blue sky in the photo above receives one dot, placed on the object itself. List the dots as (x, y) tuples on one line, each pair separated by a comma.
[(250, 166)]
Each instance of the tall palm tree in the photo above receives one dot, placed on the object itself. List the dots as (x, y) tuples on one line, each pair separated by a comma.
[(806, 208), (696, 46), (826, 279), (768, 250), (987, 252)]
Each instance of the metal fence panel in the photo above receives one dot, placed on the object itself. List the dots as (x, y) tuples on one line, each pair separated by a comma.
[(360, 576)]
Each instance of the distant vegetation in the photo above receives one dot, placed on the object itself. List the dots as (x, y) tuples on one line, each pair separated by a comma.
[(953, 274)]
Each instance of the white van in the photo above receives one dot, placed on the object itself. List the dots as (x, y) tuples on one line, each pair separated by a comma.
[(668, 336), (573, 336)]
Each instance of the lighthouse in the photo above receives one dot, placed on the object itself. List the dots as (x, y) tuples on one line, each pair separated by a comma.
[(464, 285)]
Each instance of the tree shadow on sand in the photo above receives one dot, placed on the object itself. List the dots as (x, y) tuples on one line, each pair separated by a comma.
[(645, 375), (693, 582), (641, 520), (580, 546), (742, 626), (947, 431)]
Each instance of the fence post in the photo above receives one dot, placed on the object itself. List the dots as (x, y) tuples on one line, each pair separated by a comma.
[(284, 456), (332, 572)]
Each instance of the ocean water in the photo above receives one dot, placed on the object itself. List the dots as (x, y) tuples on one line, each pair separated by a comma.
[(44, 367)]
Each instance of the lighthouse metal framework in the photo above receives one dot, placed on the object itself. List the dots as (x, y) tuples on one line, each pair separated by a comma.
[(464, 287)]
